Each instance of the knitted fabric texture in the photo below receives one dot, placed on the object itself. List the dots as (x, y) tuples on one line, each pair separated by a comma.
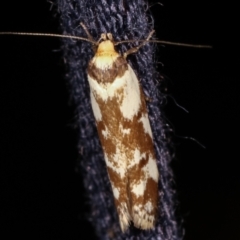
[(128, 19)]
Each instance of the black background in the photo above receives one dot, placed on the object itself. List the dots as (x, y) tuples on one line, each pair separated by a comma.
[(40, 188)]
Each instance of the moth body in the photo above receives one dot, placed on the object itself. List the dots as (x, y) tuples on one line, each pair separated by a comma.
[(125, 134)]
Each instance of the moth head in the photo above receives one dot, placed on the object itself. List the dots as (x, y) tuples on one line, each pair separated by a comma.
[(106, 43)]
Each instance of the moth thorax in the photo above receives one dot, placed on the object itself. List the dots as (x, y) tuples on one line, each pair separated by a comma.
[(106, 48)]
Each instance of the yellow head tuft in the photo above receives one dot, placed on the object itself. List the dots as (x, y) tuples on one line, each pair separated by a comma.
[(106, 48)]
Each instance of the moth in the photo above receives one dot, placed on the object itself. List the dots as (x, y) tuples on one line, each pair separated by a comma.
[(120, 111)]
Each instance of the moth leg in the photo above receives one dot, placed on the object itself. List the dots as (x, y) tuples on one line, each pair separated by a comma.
[(87, 32), (133, 50), (90, 37)]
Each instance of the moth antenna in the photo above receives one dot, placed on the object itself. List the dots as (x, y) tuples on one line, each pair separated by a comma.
[(49, 35), (91, 40), (180, 44), (165, 42)]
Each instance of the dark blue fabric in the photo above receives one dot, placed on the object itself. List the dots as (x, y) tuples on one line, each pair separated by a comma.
[(125, 19)]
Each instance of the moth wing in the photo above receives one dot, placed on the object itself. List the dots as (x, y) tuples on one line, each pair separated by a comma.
[(142, 168), (109, 120)]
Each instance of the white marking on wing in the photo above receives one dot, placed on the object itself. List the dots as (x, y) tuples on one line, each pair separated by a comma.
[(105, 133), (137, 156), (117, 163), (124, 130), (131, 101), (96, 110), (152, 169), (148, 206), (146, 125), (139, 189), (107, 90), (115, 192)]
